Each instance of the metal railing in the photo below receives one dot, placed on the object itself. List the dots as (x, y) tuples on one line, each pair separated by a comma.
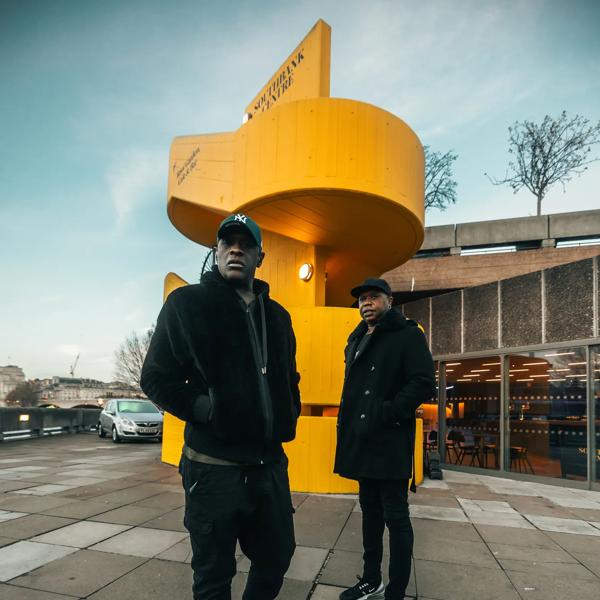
[(23, 423)]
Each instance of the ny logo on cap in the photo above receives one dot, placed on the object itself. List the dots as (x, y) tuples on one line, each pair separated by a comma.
[(241, 218)]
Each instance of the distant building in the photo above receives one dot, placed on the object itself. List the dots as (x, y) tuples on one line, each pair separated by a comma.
[(67, 392), (10, 377)]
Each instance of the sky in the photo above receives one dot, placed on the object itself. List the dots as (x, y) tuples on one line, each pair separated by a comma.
[(92, 94)]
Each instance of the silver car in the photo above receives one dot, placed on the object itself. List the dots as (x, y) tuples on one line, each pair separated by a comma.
[(130, 418)]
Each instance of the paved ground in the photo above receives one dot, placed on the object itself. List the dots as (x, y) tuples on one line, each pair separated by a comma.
[(81, 517)]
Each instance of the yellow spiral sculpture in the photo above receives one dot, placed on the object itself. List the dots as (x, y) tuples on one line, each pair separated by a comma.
[(337, 187)]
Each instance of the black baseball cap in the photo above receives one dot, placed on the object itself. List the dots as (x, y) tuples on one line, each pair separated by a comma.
[(240, 221), (371, 283)]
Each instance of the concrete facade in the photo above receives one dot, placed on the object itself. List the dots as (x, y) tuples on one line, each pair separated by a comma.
[(10, 377), (552, 305), (512, 231), (457, 272), (67, 392), (441, 264)]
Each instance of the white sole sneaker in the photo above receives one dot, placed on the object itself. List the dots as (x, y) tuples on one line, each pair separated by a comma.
[(378, 594)]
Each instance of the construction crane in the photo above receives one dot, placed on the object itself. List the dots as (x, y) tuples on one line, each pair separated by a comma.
[(72, 368)]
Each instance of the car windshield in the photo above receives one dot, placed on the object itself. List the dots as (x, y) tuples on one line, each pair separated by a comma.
[(136, 407)]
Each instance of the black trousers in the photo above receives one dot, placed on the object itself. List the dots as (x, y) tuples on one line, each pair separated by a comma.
[(227, 504), (385, 502)]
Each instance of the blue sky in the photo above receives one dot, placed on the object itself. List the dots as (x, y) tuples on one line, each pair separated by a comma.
[(92, 93)]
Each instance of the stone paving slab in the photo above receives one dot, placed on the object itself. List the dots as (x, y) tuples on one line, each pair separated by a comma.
[(164, 500), (575, 543), (529, 553), (130, 514), (153, 580), (31, 525), (476, 536), (10, 592), (590, 561), (457, 551), (172, 521), (5, 541), (10, 515), (9, 486), (558, 525), (180, 552), (532, 538), (449, 581), (538, 586), (305, 566), (30, 505), (319, 524), (79, 574), (79, 509), (291, 589), (569, 571), (24, 556), (140, 541), (81, 534)]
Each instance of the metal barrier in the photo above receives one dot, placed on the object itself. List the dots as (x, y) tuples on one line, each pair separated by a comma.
[(22, 423)]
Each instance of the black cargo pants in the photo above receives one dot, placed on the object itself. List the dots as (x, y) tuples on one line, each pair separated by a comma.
[(224, 504)]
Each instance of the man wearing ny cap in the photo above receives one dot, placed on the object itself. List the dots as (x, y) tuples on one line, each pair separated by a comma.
[(222, 359), (389, 373)]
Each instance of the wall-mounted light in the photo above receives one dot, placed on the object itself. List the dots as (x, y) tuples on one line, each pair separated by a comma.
[(23, 418), (305, 272)]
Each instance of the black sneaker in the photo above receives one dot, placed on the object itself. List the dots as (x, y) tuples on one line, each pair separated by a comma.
[(364, 590)]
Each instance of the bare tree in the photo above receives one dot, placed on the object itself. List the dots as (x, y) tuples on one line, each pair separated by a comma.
[(551, 152), (130, 356), (23, 395), (440, 187)]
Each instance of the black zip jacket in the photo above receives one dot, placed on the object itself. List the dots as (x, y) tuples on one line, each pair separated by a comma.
[(227, 369), (383, 386)]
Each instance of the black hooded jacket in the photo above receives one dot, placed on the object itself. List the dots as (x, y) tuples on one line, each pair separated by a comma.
[(383, 386), (206, 365)]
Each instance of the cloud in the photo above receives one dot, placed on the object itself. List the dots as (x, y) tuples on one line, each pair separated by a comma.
[(132, 178), (441, 68), (70, 349)]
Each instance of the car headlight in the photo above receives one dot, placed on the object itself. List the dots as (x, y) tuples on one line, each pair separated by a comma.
[(127, 422)]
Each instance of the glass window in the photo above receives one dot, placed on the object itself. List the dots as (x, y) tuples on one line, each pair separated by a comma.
[(428, 411), (137, 406), (547, 413), (473, 412), (595, 364)]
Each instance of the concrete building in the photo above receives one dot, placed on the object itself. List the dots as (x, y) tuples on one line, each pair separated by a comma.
[(10, 377), (453, 257), (516, 339), (69, 392)]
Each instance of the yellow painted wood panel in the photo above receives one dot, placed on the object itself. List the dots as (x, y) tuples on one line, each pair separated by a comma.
[(311, 455), (321, 333)]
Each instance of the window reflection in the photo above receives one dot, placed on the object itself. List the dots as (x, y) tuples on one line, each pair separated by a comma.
[(428, 411), (473, 412), (595, 365), (547, 413)]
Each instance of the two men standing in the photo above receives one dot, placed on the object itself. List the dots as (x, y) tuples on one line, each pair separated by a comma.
[(222, 359)]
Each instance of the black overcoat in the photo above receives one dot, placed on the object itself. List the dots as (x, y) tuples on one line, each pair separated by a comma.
[(383, 387)]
